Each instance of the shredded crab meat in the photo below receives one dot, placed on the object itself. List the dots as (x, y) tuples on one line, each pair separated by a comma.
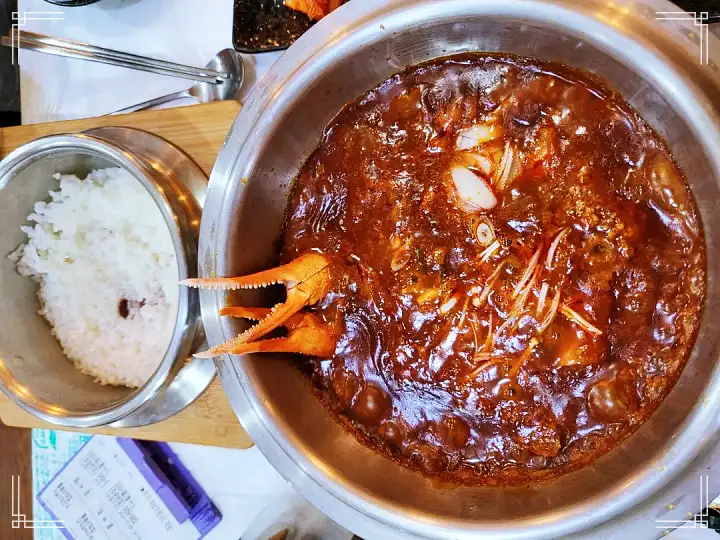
[(509, 323), (506, 165), (553, 248), (489, 285), (485, 350), (520, 302), (487, 365), (449, 304), (523, 358), (490, 338), (463, 313), (550, 316), (489, 251), (578, 319), (528, 272), (476, 135), (541, 299), (474, 327)]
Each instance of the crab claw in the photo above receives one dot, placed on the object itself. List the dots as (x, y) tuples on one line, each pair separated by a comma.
[(307, 334), (307, 280)]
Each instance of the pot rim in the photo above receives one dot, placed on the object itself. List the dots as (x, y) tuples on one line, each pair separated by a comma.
[(351, 507)]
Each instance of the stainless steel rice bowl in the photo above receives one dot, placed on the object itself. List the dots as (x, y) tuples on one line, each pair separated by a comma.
[(34, 372)]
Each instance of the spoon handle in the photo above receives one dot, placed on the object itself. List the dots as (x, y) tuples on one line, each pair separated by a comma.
[(154, 102)]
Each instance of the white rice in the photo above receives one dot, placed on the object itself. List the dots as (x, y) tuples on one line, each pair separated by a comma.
[(100, 241)]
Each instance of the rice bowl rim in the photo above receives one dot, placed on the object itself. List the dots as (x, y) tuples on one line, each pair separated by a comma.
[(188, 302)]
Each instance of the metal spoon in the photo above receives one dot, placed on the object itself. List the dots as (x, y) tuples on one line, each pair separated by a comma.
[(228, 61)]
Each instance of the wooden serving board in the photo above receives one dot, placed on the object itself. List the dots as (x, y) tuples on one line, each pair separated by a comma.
[(200, 131)]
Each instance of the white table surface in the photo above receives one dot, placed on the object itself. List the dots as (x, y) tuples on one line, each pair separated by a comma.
[(241, 482), (185, 31)]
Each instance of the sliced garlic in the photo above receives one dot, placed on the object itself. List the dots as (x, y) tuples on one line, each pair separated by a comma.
[(473, 192), (480, 162), (475, 135)]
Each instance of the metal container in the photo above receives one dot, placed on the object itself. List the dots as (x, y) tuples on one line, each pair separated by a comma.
[(34, 372), (655, 473)]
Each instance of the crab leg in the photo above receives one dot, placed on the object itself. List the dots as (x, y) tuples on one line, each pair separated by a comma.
[(307, 334), (254, 314), (307, 281), (301, 269)]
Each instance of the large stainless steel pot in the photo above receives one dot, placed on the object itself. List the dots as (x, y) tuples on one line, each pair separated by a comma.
[(655, 474)]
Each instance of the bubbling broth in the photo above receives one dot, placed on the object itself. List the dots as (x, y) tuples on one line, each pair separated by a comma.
[(518, 268)]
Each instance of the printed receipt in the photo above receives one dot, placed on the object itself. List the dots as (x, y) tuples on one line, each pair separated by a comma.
[(100, 494)]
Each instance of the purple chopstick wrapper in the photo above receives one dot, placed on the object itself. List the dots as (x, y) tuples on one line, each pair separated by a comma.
[(173, 483)]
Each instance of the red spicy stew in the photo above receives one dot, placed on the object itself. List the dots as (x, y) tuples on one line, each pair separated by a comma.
[(518, 268)]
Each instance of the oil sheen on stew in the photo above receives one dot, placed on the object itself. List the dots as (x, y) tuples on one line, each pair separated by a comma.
[(520, 268)]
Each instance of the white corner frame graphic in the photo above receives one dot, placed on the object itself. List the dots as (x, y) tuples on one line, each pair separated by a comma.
[(19, 520), (699, 520), (699, 19), (21, 20)]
